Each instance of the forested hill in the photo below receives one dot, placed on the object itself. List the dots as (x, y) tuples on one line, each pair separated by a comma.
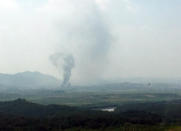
[(21, 107)]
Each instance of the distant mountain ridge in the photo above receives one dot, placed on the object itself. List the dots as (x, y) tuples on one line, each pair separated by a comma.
[(24, 80)]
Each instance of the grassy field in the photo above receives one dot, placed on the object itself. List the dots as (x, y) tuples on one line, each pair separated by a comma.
[(83, 99)]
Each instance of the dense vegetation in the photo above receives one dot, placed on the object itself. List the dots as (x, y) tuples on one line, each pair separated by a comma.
[(22, 115), (139, 107)]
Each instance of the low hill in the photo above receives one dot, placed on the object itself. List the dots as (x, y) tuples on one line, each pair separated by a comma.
[(27, 80), (21, 107)]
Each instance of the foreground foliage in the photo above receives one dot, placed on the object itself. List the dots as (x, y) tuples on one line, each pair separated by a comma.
[(20, 115)]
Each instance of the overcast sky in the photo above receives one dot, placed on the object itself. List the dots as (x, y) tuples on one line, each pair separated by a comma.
[(109, 39)]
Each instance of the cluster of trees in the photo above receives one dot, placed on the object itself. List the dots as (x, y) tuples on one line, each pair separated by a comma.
[(21, 115), (81, 120)]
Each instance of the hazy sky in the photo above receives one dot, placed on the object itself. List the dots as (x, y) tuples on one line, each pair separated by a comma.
[(109, 39)]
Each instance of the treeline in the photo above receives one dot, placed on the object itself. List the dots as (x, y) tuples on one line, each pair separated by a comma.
[(83, 120), (21, 115)]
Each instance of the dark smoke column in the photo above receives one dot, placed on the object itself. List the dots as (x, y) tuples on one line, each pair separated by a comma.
[(63, 63)]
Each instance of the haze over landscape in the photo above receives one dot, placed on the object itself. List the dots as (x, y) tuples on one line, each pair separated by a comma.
[(109, 40), (90, 65)]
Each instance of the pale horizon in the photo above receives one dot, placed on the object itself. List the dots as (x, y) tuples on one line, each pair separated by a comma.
[(108, 39)]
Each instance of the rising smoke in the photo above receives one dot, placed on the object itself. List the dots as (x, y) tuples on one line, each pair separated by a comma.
[(85, 34), (64, 63)]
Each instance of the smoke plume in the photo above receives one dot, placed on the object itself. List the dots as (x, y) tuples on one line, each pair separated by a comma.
[(85, 33), (64, 63)]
